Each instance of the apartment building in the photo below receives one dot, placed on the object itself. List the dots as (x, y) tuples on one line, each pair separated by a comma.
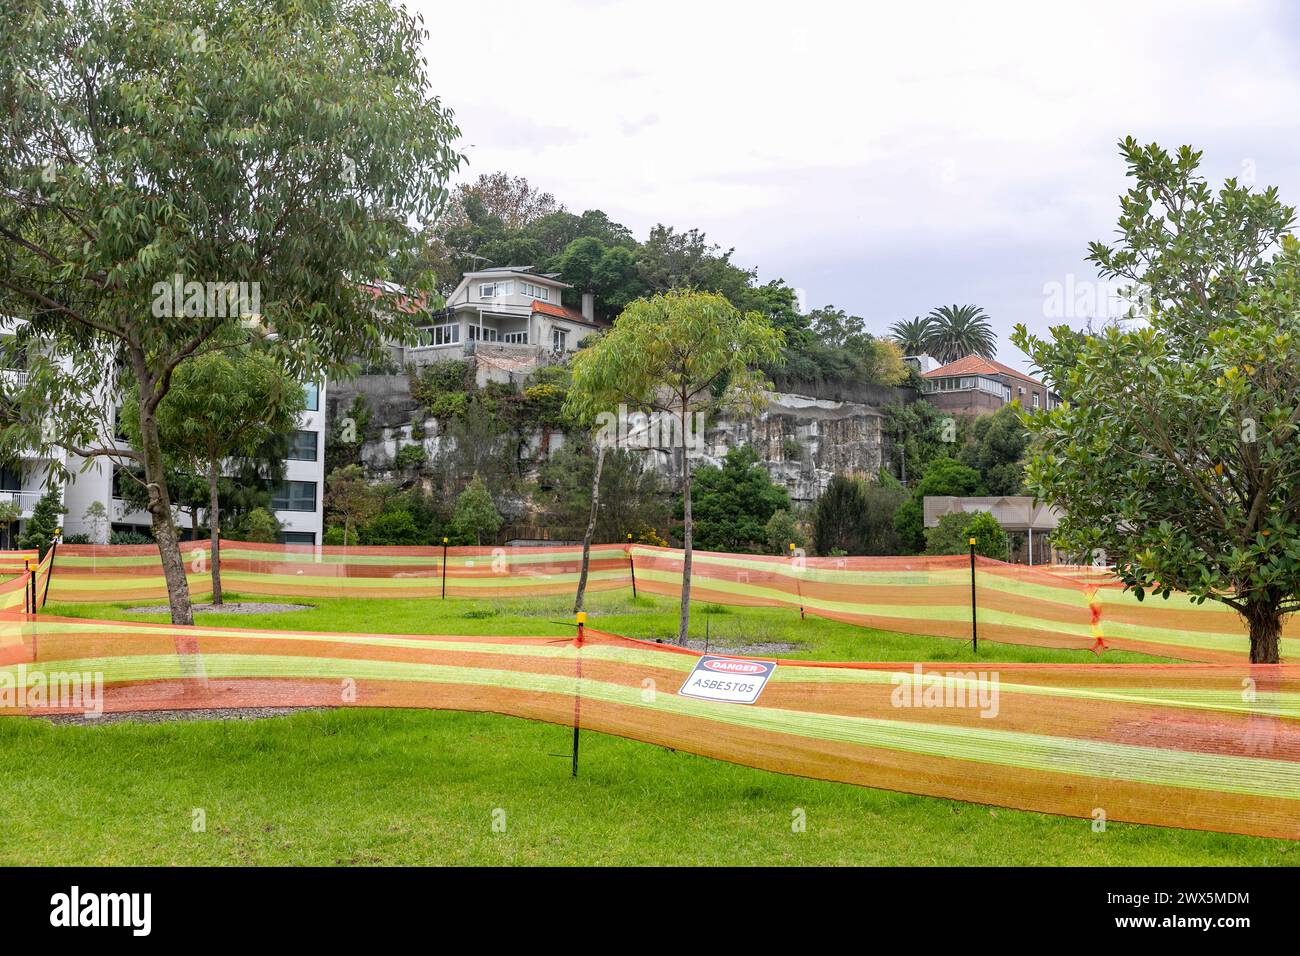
[(297, 502)]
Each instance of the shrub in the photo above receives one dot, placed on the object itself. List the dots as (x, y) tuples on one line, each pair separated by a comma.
[(475, 516), (411, 458), (393, 527), (953, 533), (332, 535), (943, 477), (259, 525), (46, 519), (129, 537), (783, 531)]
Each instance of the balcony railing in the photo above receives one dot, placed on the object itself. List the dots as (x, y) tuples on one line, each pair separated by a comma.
[(25, 500), (13, 377)]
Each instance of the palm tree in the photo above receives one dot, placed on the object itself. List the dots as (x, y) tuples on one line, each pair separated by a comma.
[(913, 335), (960, 330)]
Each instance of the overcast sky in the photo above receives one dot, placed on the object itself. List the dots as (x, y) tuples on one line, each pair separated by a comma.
[(886, 158)]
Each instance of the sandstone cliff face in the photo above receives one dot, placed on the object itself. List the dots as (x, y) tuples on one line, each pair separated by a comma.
[(803, 440)]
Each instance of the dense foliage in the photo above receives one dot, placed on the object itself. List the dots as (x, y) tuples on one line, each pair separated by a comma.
[(1175, 447)]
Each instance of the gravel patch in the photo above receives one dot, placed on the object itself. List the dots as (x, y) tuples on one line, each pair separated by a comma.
[(233, 608), (173, 716)]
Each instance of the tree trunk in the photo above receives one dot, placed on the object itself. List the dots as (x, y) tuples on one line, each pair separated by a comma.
[(687, 528), (164, 528), (591, 529), (214, 529), (1265, 623)]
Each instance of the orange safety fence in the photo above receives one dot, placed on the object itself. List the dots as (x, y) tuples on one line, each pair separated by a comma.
[(925, 595), (1203, 746)]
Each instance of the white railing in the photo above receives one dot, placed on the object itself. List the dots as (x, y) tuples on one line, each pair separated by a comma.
[(25, 500), (14, 377)]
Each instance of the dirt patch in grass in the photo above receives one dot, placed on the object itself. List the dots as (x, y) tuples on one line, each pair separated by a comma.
[(174, 716), (236, 607)]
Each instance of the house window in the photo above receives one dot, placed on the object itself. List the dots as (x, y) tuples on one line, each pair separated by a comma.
[(295, 496), (485, 334), (486, 290), (535, 291), (303, 446), (515, 338), (311, 394), (297, 537), (10, 479), (559, 340), (495, 290), (1035, 399), (435, 336)]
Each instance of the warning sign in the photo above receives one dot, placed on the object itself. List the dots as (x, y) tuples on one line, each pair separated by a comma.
[(727, 679)]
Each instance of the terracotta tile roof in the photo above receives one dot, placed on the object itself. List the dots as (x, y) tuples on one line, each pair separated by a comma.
[(978, 365), (563, 312)]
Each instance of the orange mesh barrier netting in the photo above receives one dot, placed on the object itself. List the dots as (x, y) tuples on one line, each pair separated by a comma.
[(102, 573), (15, 562), (932, 596), (923, 595), (1213, 747)]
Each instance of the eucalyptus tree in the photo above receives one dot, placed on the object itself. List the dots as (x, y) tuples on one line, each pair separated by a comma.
[(178, 176), (683, 355)]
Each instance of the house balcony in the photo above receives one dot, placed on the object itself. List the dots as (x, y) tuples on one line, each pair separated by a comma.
[(25, 500)]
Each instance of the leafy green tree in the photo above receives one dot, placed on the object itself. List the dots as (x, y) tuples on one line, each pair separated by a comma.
[(10, 512), (996, 449), (261, 526), (943, 477), (679, 354), (960, 330), (608, 271), (953, 533), (1175, 448), (914, 336), (475, 516), (855, 516), (46, 519), (782, 530), (393, 527), (221, 405), (349, 499), (734, 503), (263, 157), (919, 434), (96, 517)]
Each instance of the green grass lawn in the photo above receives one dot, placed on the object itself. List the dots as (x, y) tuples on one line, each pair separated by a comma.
[(406, 787)]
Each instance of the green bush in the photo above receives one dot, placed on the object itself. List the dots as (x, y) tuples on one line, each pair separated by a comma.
[(129, 537), (46, 519), (783, 531), (333, 535), (943, 476), (259, 525), (392, 527), (953, 533), (411, 458)]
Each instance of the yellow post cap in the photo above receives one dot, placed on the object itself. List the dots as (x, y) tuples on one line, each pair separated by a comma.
[(791, 545), (582, 617), (972, 541), (444, 539)]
